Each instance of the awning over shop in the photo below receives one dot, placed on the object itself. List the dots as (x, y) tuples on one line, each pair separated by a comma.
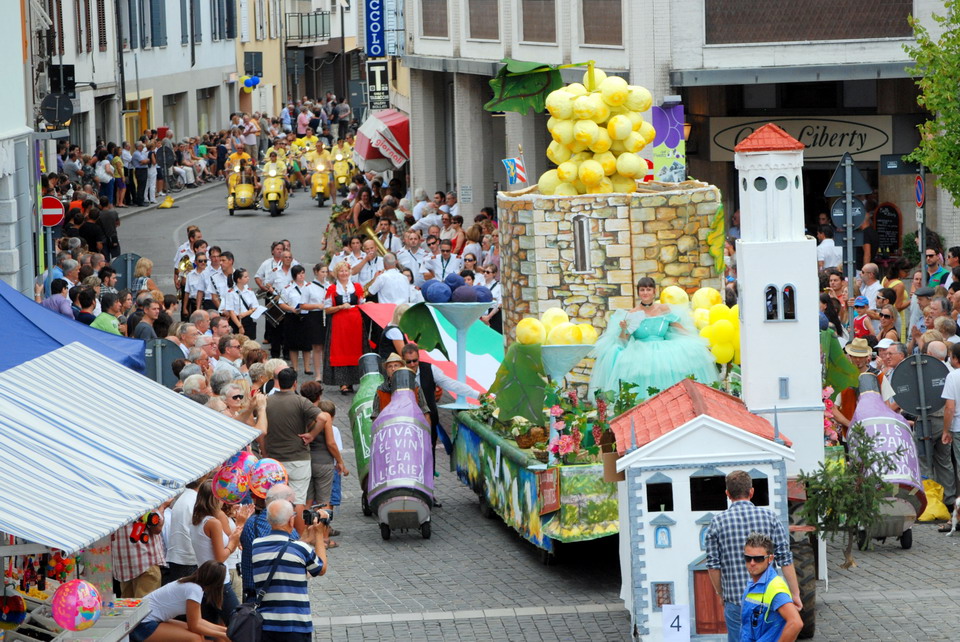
[(89, 445), (29, 330), (383, 141)]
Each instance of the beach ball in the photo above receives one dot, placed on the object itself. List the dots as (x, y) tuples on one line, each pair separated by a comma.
[(674, 295), (588, 334), (267, 473), (245, 459), (76, 605), (564, 334), (553, 317), (231, 484), (530, 331), (705, 298)]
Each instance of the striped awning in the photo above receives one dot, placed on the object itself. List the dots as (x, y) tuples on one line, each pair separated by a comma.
[(88, 445)]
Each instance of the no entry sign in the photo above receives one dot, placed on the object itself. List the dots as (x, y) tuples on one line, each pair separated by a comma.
[(51, 211)]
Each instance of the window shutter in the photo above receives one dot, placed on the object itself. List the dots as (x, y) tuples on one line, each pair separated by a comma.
[(132, 7), (78, 18), (244, 21), (101, 25), (158, 23), (184, 25), (214, 22), (231, 16), (87, 25), (259, 18), (197, 21), (274, 19)]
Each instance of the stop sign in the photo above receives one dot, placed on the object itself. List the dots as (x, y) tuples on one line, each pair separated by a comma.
[(51, 210)]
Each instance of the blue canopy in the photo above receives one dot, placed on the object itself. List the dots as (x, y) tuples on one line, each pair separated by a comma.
[(29, 330)]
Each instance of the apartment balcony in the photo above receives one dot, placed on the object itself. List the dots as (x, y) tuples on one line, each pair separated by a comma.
[(308, 29)]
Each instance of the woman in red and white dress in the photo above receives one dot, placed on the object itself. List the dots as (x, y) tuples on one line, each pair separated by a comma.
[(344, 343)]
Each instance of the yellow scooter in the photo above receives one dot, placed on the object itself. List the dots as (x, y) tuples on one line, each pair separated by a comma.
[(274, 196), (240, 193), (320, 178), (341, 174)]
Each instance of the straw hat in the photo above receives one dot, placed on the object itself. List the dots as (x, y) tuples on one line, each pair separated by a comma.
[(858, 348)]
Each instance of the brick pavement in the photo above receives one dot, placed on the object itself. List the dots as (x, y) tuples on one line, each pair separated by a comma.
[(475, 579)]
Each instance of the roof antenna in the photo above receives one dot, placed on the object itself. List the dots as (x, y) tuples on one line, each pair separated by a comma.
[(776, 427), (633, 435)]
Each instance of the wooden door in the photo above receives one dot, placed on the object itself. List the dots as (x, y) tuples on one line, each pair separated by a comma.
[(707, 605)]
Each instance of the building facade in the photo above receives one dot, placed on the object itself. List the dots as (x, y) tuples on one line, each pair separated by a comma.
[(260, 53), (834, 72)]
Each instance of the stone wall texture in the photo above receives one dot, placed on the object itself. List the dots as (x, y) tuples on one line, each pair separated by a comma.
[(660, 233)]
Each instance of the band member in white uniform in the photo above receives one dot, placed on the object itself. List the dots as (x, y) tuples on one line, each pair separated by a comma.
[(321, 282), (195, 282), (296, 335), (241, 302)]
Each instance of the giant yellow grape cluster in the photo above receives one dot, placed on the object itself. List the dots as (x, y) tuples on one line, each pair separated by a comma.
[(597, 130)]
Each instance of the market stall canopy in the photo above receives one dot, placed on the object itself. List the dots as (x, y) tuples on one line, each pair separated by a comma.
[(383, 141), (29, 330), (90, 445)]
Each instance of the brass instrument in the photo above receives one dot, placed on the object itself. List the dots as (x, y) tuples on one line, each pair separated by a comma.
[(366, 287), (366, 228)]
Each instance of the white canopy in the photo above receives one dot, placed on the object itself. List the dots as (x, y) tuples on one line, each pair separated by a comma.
[(88, 445)]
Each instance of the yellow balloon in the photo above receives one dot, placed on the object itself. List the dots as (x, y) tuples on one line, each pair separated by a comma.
[(586, 132), (608, 161), (614, 91), (631, 165), (584, 108), (548, 183), (577, 148), (553, 317), (588, 334), (575, 89), (674, 295), (565, 189), (581, 188), (603, 142), (591, 173), (564, 334), (560, 103), (617, 147), (623, 184), (701, 317), (531, 331), (647, 131), (634, 142), (705, 298), (598, 77), (619, 127), (719, 311), (558, 153), (707, 333), (638, 99), (562, 132), (735, 312), (722, 331), (722, 352), (551, 123), (567, 172)]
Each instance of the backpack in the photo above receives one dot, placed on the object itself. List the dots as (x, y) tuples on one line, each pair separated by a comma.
[(246, 623)]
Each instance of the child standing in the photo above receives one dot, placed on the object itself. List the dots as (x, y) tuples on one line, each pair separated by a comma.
[(861, 325)]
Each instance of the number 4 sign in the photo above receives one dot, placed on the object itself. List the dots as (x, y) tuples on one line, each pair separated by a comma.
[(676, 622)]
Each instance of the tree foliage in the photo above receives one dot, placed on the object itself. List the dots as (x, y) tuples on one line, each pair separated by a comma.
[(846, 496), (937, 74)]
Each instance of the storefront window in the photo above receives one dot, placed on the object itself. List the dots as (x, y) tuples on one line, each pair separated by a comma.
[(602, 22), (433, 18), (539, 21), (485, 19)]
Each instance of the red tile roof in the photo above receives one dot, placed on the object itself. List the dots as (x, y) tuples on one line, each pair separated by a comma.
[(680, 403), (768, 138)]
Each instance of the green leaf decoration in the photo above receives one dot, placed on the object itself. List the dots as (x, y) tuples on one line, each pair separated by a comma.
[(716, 239), (839, 372), (525, 91), (520, 385), (418, 324)]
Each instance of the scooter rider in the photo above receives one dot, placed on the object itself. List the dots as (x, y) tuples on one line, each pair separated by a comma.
[(280, 167)]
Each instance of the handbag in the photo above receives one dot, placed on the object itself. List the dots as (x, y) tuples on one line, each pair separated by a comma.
[(246, 623)]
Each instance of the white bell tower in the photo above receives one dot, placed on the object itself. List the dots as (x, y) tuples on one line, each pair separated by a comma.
[(779, 294)]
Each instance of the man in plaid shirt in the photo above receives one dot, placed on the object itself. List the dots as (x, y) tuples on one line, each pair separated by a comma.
[(725, 539), (137, 565)]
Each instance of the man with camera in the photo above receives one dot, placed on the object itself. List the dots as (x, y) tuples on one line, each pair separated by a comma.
[(286, 604)]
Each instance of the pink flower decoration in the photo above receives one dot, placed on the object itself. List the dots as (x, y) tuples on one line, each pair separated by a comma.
[(556, 411), (560, 425), (554, 446), (566, 444)]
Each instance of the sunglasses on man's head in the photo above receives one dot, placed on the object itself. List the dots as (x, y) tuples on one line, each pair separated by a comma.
[(471, 260)]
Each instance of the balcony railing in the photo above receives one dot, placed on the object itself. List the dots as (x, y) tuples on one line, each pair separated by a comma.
[(305, 28)]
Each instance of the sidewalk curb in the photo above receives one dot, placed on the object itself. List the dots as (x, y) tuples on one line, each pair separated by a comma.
[(182, 195)]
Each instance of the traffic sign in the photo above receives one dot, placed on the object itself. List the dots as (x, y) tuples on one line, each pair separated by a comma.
[(837, 184), (906, 386), (919, 191), (51, 210), (838, 212)]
